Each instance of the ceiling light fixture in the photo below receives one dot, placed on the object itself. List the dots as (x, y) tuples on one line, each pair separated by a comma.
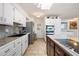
[(43, 6)]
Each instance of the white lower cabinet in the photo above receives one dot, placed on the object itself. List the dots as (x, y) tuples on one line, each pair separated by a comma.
[(7, 49), (16, 47), (23, 49), (10, 53), (24, 43), (17, 51)]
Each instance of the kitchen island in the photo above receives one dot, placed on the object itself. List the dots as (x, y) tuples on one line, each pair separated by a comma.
[(59, 47)]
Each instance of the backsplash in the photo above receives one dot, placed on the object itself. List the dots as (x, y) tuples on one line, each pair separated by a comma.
[(5, 31), (15, 30)]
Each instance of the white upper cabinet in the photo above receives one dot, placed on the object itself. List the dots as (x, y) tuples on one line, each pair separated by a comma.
[(19, 18), (49, 21), (1, 13), (8, 13), (1, 10), (23, 20)]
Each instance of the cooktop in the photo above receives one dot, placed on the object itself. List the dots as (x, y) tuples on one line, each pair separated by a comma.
[(66, 43)]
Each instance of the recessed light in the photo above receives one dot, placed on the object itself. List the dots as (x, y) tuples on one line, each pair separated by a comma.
[(43, 6), (38, 14), (75, 43)]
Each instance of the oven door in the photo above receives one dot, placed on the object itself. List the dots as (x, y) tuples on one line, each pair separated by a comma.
[(50, 29)]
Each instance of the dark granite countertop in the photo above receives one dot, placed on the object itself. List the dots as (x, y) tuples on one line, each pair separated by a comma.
[(6, 40), (64, 43)]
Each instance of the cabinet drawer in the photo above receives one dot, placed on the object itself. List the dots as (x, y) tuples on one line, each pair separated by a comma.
[(66, 54), (48, 39), (17, 42), (59, 51), (17, 51), (10, 53), (14, 54), (50, 42), (6, 50), (56, 54)]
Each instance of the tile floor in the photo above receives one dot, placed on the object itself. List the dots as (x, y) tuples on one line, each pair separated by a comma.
[(38, 48)]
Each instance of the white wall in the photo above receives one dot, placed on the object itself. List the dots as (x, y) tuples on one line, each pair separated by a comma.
[(69, 33), (57, 25), (40, 33), (58, 32), (39, 28)]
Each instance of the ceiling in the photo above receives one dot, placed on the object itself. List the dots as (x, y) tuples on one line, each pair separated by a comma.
[(64, 10)]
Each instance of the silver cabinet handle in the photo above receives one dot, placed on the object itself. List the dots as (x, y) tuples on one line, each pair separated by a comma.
[(7, 50), (14, 54)]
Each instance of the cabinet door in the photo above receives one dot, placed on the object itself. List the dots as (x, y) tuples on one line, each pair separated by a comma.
[(17, 47), (7, 49), (52, 51), (50, 47), (18, 42), (1, 12), (48, 50), (49, 21), (23, 21), (8, 13), (17, 16), (26, 42), (24, 24), (59, 51), (17, 51), (23, 45)]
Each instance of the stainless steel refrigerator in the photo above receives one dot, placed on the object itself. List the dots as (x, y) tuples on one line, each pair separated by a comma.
[(29, 29)]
